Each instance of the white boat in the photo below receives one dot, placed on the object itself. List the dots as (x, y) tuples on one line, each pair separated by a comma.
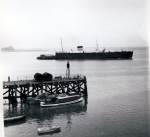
[(62, 100), (48, 130)]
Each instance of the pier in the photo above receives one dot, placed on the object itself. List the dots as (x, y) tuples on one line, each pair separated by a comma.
[(31, 88)]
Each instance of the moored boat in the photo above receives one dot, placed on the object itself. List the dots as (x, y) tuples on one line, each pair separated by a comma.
[(14, 119), (62, 100), (48, 130)]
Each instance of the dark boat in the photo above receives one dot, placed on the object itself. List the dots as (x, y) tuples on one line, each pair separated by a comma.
[(14, 119), (82, 55)]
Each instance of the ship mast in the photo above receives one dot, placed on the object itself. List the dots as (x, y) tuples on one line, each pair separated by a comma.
[(61, 45), (97, 46)]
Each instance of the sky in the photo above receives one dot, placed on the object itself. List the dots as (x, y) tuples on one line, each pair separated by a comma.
[(42, 23)]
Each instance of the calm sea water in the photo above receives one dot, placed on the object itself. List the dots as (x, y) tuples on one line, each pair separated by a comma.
[(117, 104)]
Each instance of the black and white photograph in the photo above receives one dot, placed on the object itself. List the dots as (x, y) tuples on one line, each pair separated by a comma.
[(74, 68)]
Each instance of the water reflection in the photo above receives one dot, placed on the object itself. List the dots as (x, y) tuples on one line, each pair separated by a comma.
[(47, 116), (12, 111), (36, 112)]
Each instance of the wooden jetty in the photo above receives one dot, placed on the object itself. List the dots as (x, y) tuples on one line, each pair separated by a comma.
[(45, 83), (31, 88)]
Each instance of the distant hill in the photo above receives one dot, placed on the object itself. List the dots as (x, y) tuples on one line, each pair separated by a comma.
[(12, 49), (9, 48)]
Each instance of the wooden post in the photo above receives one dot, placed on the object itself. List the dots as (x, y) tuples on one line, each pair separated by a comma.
[(8, 78)]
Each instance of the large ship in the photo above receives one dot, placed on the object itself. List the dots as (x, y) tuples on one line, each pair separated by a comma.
[(82, 55)]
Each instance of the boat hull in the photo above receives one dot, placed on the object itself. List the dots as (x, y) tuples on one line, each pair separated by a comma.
[(14, 119), (90, 55), (61, 104), (48, 130)]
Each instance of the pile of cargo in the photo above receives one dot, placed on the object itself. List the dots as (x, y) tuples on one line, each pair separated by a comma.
[(43, 77)]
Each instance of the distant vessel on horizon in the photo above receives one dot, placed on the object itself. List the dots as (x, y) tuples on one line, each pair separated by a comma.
[(82, 55)]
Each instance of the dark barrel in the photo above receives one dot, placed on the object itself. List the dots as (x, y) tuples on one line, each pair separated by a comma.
[(47, 76), (43, 77), (38, 77)]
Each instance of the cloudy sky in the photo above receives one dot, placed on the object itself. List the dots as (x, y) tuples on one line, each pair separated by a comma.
[(41, 23)]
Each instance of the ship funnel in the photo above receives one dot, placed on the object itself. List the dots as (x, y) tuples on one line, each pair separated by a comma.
[(80, 48)]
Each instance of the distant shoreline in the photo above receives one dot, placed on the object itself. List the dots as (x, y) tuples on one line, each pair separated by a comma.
[(22, 50)]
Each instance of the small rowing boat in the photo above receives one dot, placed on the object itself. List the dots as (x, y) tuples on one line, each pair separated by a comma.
[(48, 130)]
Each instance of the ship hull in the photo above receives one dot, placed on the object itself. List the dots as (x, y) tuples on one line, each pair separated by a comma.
[(89, 56)]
